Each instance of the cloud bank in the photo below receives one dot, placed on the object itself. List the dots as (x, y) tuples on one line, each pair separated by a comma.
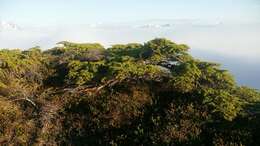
[(214, 36)]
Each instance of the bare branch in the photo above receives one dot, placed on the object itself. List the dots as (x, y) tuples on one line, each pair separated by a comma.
[(28, 100)]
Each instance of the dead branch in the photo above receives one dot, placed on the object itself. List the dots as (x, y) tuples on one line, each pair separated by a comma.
[(28, 100), (107, 84)]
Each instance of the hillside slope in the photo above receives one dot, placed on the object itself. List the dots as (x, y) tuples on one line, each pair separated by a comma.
[(154, 93)]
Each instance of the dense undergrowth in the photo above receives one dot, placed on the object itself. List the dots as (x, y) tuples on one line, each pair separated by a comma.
[(154, 93)]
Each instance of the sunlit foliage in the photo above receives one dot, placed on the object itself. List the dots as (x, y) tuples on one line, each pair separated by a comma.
[(154, 93)]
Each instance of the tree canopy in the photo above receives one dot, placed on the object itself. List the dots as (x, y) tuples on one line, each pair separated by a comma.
[(154, 93)]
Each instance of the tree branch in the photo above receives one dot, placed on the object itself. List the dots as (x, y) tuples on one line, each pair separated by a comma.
[(28, 100)]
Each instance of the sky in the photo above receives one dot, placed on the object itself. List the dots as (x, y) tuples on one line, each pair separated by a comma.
[(219, 25), (226, 31), (94, 11)]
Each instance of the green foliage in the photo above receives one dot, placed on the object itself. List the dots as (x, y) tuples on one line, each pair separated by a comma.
[(127, 68), (214, 77), (223, 102), (131, 50), (83, 72), (249, 98), (134, 94), (22, 72), (161, 49), (74, 51), (186, 77), (12, 126)]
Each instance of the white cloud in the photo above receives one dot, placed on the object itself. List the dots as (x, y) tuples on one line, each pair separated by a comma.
[(214, 36), (8, 26)]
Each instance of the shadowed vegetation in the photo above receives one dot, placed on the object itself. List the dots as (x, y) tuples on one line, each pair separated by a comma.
[(133, 94)]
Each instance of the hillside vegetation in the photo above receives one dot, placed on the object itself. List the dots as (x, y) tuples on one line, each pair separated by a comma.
[(134, 94)]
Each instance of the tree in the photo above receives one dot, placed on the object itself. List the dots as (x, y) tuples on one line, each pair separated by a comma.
[(154, 93)]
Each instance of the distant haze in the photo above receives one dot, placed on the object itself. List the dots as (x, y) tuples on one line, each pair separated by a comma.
[(224, 38)]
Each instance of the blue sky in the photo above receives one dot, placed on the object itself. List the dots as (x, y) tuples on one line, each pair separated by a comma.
[(57, 12)]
